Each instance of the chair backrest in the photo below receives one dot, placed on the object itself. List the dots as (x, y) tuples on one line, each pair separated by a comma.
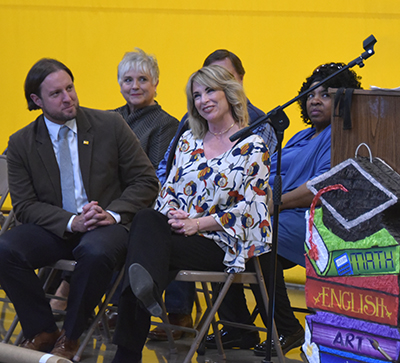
[(3, 180)]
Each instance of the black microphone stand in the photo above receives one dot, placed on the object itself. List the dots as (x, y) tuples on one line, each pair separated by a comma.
[(280, 122)]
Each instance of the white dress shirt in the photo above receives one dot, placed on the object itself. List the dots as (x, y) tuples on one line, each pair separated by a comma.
[(80, 193)]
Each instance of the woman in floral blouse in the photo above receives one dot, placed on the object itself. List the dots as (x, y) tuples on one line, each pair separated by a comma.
[(212, 213)]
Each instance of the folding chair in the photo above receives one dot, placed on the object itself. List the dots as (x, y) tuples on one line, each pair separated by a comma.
[(4, 193), (3, 180), (209, 315), (69, 265), (5, 221)]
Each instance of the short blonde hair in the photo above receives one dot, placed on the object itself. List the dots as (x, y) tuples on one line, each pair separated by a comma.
[(140, 61), (217, 78)]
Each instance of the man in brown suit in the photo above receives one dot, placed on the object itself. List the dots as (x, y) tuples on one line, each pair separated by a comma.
[(108, 179)]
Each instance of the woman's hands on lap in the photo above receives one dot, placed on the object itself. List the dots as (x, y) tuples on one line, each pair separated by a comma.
[(181, 223)]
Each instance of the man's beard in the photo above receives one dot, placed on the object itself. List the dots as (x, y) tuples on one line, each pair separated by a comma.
[(62, 117)]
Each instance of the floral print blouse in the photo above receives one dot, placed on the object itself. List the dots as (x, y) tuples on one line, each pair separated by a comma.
[(231, 187)]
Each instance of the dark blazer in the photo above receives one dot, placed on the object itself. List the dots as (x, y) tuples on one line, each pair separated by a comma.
[(115, 170)]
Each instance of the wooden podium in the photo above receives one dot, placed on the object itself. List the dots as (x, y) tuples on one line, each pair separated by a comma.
[(375, 118)]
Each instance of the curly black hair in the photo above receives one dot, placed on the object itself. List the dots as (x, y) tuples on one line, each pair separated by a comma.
[(347, 79)]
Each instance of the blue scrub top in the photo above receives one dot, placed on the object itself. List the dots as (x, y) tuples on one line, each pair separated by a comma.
[(303, 158)]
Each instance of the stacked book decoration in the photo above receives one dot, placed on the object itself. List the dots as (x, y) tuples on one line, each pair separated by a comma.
[(353, 264), (337, 338)]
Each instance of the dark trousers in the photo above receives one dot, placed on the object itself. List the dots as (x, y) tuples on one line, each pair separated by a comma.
[(179, 297), (28, 247), (163, 254)]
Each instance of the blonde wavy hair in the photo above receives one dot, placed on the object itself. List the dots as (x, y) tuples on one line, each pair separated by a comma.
[(217, 78)]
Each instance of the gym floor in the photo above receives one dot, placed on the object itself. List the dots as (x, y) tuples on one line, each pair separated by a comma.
[(100, 351)]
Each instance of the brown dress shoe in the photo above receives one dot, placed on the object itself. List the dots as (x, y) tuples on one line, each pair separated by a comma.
[(65, 347), (184, 320), (43, 342), (111, 316)]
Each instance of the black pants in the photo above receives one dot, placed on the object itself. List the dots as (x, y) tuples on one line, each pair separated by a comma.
[(163, 254), (28, 247)]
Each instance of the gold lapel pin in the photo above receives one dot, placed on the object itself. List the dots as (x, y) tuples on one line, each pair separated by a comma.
[(85, 142)]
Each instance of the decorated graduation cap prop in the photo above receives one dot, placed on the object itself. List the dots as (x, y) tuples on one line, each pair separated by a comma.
[(372, 187), (353, 264), (356, 232)]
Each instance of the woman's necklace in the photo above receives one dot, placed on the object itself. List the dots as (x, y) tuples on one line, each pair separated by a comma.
[(222, 132)]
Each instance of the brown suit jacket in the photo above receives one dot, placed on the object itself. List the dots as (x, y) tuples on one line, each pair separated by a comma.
[(115, 170)]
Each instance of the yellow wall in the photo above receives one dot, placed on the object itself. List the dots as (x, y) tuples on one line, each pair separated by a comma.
[(279, 42)]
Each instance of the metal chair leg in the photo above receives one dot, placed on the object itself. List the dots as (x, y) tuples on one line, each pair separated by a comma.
[(98, 317), (209, 319), (11, 330), (264, 295)]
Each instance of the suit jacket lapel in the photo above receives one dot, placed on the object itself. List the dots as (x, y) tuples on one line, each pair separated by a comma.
[(85, 149), (46, 153)]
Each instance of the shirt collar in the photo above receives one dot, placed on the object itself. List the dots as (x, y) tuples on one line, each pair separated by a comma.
[(54, 128)]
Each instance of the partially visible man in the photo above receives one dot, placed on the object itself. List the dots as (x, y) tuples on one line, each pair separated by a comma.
[(179, 296), (77, 177)]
